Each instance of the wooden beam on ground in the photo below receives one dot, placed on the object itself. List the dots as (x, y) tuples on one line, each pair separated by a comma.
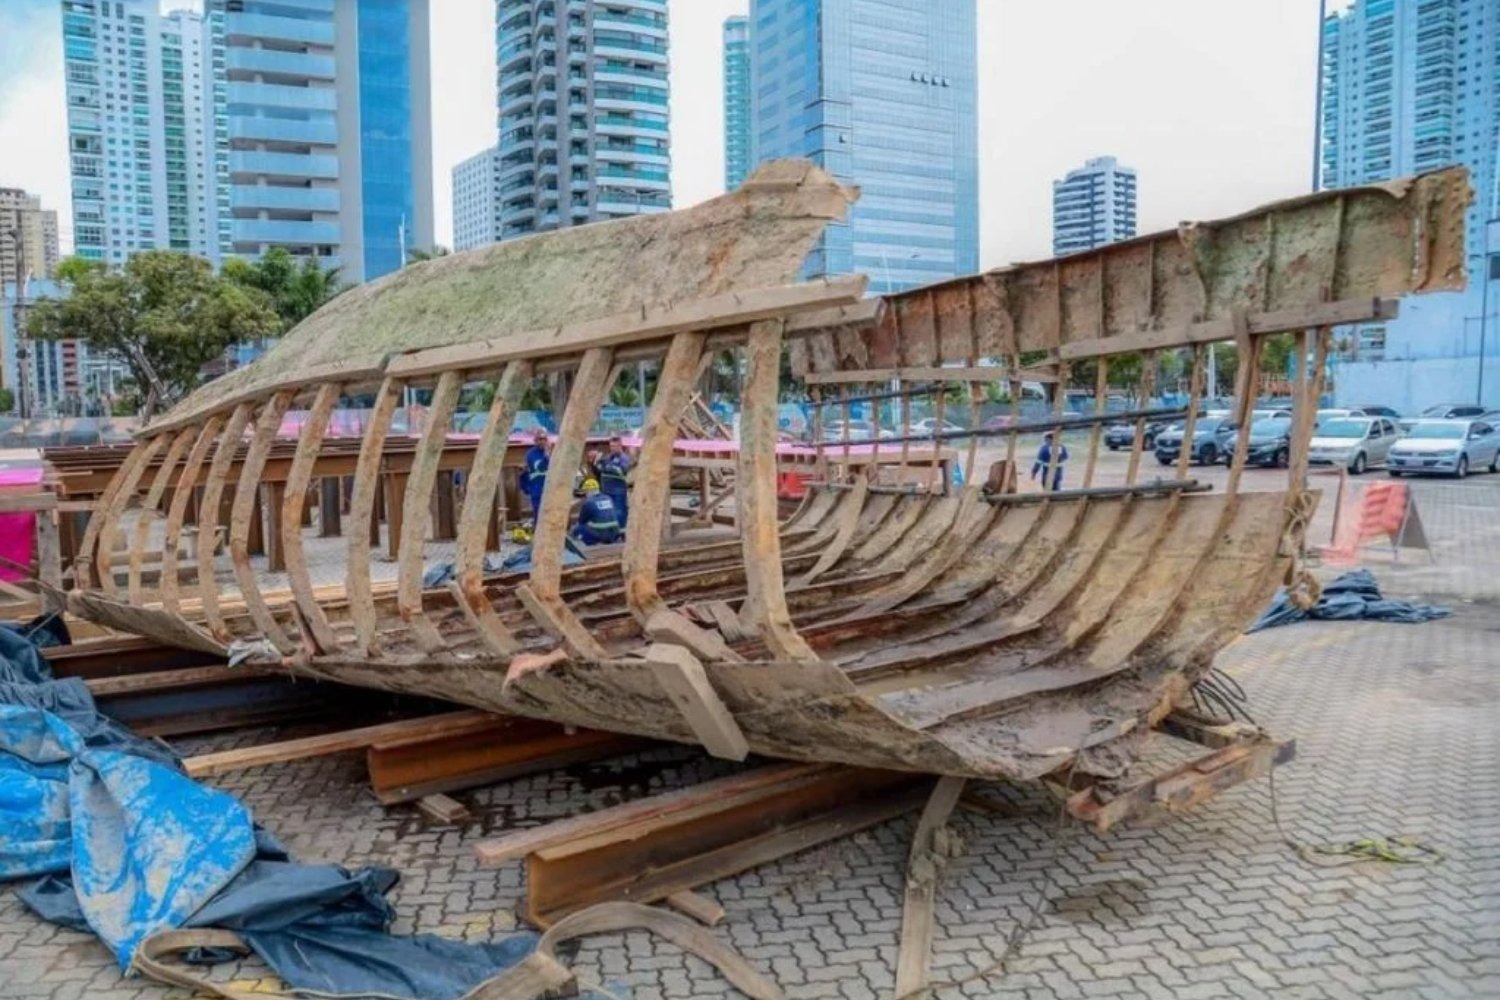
[(169, 680), (651, 848), (405, 768), (443, 809), (1181, 788), (448, 724)]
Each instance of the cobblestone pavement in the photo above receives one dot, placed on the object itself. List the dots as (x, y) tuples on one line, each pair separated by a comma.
[(1396, 735)]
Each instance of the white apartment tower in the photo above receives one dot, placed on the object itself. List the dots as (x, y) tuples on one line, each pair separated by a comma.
[(582, 113), (302, 124), (474, 216), (1092, 206), (140, 100)]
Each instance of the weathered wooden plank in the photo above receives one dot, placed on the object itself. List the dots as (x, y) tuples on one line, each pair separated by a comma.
[(244, 511), (367, 481), (478, 510), (418, 493), (542, 596), (320, 632), (682, 677), (208, 517), (765, 599), (241, 758)]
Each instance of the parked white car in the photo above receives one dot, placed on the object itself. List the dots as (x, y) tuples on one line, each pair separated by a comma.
[(1356, 443), (1446, 447)]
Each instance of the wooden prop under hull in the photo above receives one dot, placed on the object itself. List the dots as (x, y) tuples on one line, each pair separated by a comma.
[(914, 627)]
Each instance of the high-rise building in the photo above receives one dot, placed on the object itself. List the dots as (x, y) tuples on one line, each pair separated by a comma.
[(28, 236), (329, 129), (474, 215), (140, 102), (1408, 86), (882, 94), (736, 101), (304, 124), (582, 114), (1092, 206)]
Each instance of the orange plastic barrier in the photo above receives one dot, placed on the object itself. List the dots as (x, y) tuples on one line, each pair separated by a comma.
[(1381, 513)]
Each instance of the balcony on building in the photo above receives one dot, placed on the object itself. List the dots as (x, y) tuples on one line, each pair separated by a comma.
[(276, 95), (283, 130), (274, 62), (242, 29), (290, 165), (295, 232), (276, 198)]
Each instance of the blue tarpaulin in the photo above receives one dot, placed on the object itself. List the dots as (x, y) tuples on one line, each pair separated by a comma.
[(127, 845), (1351, 596)]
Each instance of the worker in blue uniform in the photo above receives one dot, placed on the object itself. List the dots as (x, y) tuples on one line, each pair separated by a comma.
[(614, 468), (598, 520), (534, 473), (1044, 461)]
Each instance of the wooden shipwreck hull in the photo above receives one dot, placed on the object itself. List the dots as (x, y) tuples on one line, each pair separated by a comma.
[(913, 627)]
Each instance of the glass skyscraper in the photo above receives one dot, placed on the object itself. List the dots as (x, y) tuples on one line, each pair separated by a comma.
[(303, 124), (582, 113), (329, 129), (736, 101), (882, 94), (1412, 85)]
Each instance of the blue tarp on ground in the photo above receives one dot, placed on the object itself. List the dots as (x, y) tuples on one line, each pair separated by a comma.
[(1353, 595), (128, 846)]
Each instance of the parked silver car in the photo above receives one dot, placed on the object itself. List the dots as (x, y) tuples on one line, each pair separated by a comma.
[(1446, 447), (1356, 443)]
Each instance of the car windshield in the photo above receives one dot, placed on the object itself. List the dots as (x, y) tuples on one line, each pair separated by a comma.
[(1443, 431), (1344, 429)]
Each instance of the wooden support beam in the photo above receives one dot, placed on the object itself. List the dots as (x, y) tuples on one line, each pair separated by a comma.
[(1181, 788), (926, 862), (649, 849), (405, 768), (714, 312), (448, 724), (682, 677), (1211, 331)]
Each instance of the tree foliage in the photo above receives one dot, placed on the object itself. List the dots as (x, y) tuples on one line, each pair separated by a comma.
[(164, 315), (294, 289), (418, 254)]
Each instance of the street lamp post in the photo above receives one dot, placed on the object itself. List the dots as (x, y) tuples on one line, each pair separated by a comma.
[(1484, 308), (18, 318)]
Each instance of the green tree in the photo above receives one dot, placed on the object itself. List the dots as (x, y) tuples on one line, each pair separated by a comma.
[(418, 254), (164, 315), (7, 401), (295, 289)]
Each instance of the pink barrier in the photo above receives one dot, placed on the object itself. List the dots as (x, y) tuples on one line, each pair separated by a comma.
[(17, 531)]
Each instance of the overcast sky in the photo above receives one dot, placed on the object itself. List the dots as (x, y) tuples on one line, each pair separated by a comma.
[(1211, 101)]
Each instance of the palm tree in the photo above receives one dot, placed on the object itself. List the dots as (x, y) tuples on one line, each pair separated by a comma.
[(418, 254), (296, 289)]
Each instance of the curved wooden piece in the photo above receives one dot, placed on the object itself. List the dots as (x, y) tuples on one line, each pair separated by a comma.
[(418, 495), (542, 596), (765, 599), (367, 481), (208, 517), (479, 506), (243, 511), (153, 498), (651, 492), (187, 484), (320, 633), (130, 479)]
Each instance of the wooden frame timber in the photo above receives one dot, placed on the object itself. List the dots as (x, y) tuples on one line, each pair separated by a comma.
[(900, 626)]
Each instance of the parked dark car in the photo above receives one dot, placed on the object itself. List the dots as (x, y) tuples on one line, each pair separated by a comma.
[(1270, 443), (1210, 435), (1122, 435)]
